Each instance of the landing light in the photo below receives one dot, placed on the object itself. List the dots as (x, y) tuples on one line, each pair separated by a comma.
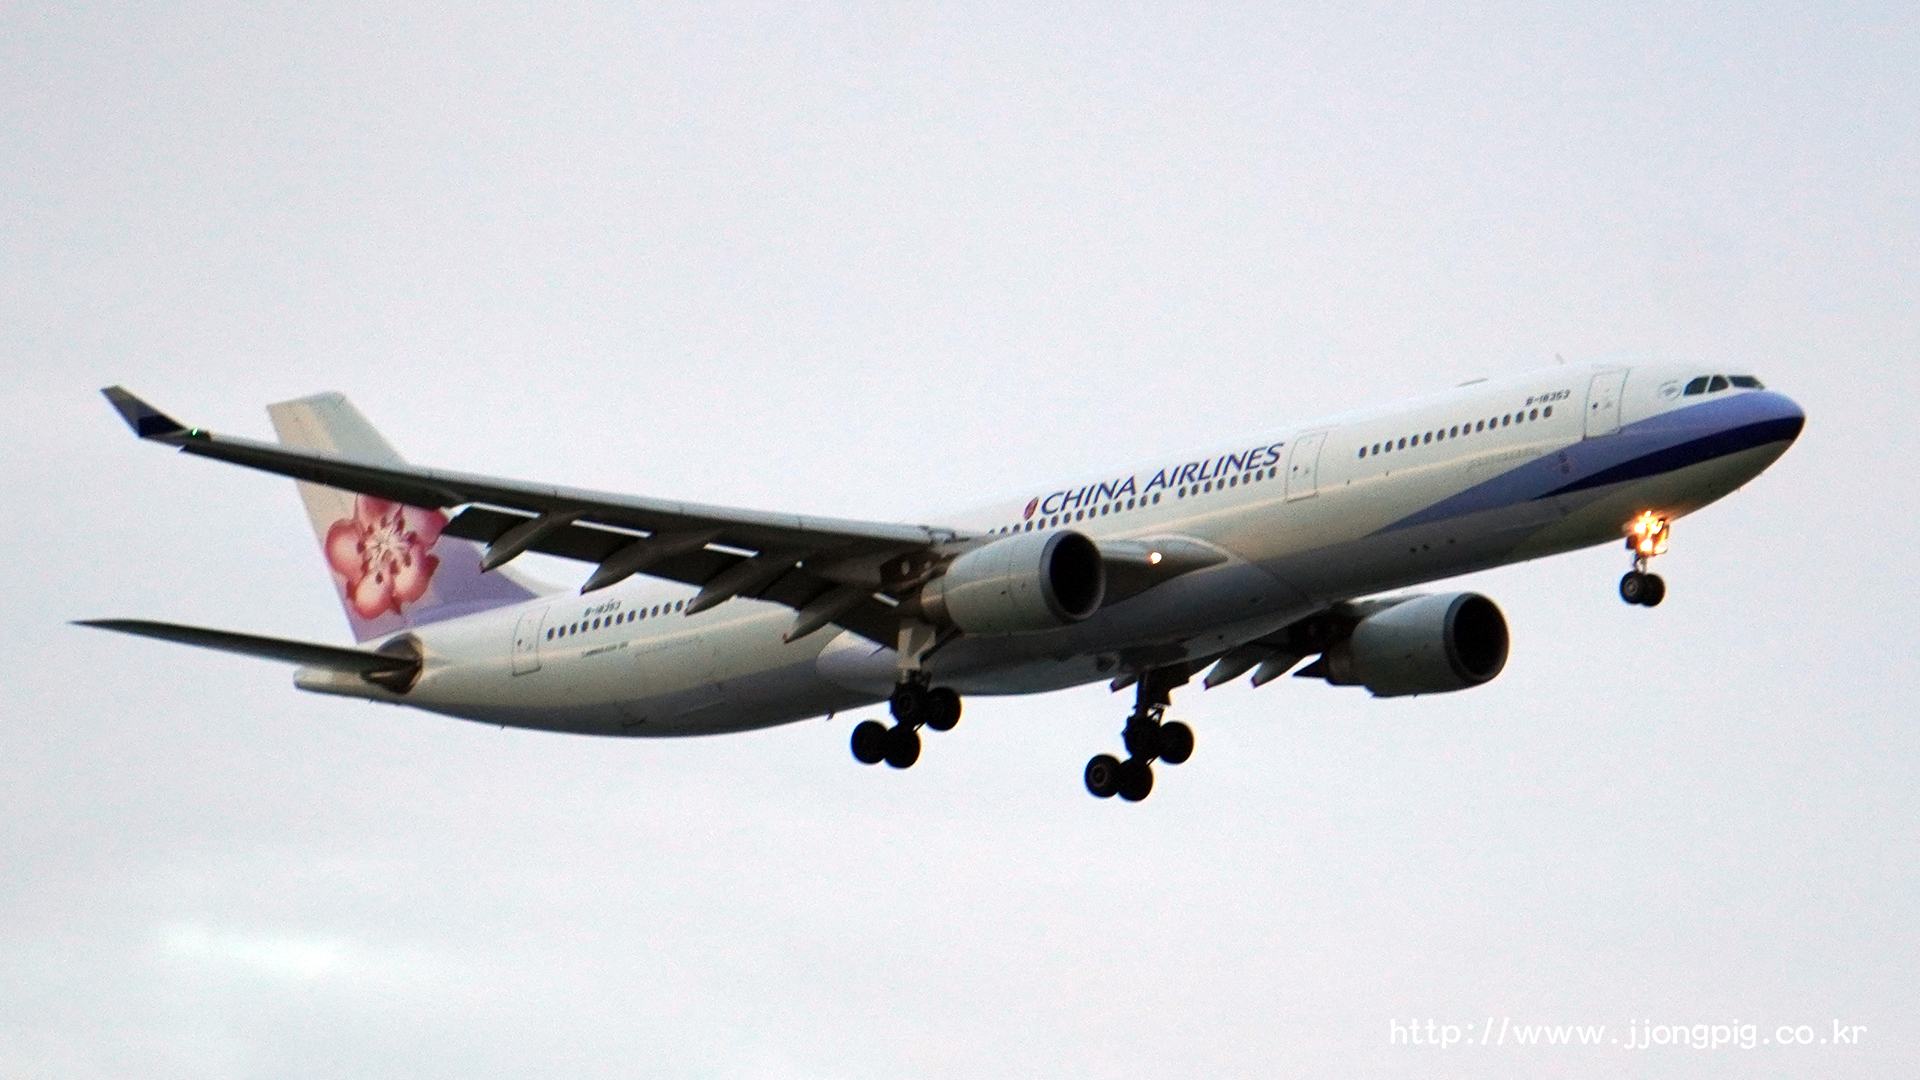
[(1650, 534), (1153, 558)]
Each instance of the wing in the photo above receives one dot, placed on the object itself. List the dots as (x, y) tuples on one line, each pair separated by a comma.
[(831, 571)]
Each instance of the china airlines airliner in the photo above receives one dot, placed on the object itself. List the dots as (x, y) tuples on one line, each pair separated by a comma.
[(1253, 558)]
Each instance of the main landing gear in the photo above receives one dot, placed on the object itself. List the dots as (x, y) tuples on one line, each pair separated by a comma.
[(1147, 736), (913, 704), (1647, 538)]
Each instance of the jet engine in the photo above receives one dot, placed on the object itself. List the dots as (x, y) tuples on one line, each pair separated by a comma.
[(1426, 645), (1024, 582)]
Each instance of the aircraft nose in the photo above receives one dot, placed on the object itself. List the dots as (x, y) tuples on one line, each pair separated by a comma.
[(1787, 415)]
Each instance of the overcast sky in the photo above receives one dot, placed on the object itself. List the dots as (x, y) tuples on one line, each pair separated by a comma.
[(876, 260)]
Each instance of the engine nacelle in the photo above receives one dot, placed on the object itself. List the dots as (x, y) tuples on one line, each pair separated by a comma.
[(1426, 645), (1023, 582)]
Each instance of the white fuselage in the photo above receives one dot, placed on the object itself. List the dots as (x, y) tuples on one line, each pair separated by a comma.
[(1305, 517)]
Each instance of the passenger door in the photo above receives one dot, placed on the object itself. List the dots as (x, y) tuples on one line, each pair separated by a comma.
[(1603, 403), (1303, 466), (526, 641)]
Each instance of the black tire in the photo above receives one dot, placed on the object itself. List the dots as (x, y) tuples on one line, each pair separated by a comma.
[(943, 708), (1656, 591), (1176, 742), (909, 703), (870, 742), (1136, 779), (903, 746), (1633, 587), (1142, 739), (1103, 776)]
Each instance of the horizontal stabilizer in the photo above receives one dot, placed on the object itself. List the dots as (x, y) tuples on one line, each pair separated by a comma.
[(145, 420), (331, 657)]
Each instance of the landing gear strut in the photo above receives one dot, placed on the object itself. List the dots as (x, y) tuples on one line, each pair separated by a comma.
[(1148, 735), (913, 704), (1648, 537)]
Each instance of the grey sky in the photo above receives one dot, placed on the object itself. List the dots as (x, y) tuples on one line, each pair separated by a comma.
[(876, 261)]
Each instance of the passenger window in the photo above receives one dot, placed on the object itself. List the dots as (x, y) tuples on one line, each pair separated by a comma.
[(1745, 382), (1718, 384), (1548, 411), (1697, 386), (1403, 444), (1534, 415)]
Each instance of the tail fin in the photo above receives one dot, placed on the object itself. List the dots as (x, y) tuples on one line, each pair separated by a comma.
[(390, 564)]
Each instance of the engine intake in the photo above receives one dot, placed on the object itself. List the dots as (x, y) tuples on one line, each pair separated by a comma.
[(1018, 584), (1425, 645)]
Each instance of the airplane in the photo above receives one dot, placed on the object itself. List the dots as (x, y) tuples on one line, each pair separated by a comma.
[(1245, 558)]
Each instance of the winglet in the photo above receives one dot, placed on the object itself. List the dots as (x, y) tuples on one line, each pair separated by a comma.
[(145, 420)]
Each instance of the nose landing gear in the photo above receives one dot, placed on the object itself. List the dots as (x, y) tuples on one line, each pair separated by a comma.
[(1148, 735), (1647, 538)]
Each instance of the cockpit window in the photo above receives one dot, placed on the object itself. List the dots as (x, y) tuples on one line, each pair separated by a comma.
[(1718, 384), (1745, 382), (1697, 386)]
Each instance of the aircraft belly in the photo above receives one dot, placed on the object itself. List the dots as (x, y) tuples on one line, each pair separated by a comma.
[(707, 677), (1595, 515), (1416, 554), (1195, 615)]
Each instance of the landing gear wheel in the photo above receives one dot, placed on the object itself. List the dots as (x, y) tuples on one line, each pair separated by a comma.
[(1176, 742), (1142, 738), (1103, 776), (903, 746), (1136, 779), (870, 742), (1656, 591), (1646, 537), (909, 703), (1642, 588), (943, 708)]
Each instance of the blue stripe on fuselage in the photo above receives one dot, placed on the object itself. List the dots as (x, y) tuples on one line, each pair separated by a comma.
[(1671, 440)]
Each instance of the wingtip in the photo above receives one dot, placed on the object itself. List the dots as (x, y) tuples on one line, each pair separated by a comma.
[(145, 420)]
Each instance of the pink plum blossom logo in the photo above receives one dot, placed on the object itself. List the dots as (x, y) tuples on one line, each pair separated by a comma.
[(385, 553)]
